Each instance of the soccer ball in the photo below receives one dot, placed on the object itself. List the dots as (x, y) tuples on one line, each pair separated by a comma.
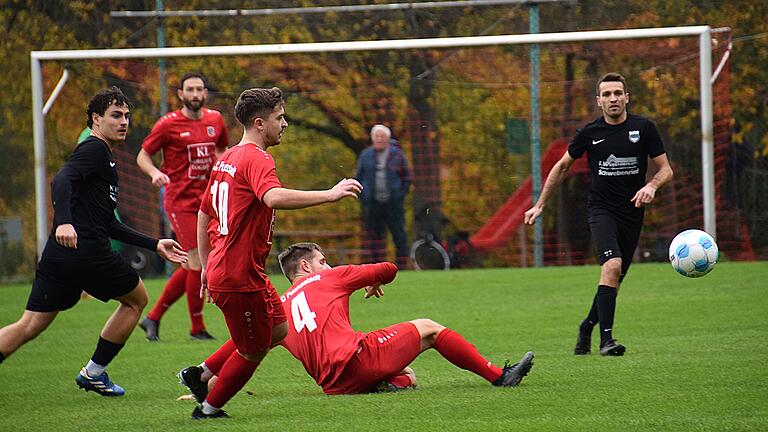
[(693, 253)]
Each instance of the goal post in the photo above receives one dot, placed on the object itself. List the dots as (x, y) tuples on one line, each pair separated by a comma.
[(705, 85)]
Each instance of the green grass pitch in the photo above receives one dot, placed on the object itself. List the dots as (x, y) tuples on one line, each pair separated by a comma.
[(697, 359)]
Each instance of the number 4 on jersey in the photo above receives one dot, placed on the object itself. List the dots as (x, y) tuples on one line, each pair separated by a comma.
[(303, 317)]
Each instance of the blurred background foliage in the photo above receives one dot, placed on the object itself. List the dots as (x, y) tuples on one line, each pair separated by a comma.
[(334, 99)]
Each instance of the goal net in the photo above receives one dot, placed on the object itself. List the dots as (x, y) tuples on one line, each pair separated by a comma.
[(462, 115)]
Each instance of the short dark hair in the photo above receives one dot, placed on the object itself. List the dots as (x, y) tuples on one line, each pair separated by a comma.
[(189, 75), (611, 77), (290, 257), (257, 102), (103, 99)]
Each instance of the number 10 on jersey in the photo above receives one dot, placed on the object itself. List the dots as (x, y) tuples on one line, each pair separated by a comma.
[(219, 200)]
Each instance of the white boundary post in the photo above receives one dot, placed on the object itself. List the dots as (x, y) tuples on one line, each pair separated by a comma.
[(707, 132), (705, 66), (38, 133)]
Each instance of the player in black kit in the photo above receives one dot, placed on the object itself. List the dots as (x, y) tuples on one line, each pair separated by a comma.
[(78, 256), (618, 146)]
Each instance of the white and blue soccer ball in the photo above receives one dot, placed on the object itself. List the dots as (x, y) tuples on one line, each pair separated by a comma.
[(693, 253)]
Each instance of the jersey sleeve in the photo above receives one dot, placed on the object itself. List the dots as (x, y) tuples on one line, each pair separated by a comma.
[(84, 161), (653, 142), (156, 138), (119, 231), (223, 140), (361, 276), (578, 144), (205, 201), (261, 174)]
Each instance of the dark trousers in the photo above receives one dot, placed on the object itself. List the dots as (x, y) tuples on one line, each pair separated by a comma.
[(377, 217)]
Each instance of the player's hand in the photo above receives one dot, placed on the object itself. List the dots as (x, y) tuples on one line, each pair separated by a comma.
[(644, 196), (345, 188), (159, 179), (531, 215), (66, 236), (204, 293), (171, 251), (374, 290)]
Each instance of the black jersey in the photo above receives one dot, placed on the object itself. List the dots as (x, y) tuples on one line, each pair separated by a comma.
[(84, 194), (618, 161)]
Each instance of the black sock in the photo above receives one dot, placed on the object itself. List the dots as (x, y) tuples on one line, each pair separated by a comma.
[(606, 307), (105, 351), (2, 357), (592, 318)]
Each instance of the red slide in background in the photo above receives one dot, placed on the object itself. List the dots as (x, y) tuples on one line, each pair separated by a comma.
[(504, 223)]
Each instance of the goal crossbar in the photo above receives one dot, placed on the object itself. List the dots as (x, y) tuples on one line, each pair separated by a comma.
[(705, 86)]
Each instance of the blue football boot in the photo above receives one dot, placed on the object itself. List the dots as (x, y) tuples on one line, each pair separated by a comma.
[(100, 384)]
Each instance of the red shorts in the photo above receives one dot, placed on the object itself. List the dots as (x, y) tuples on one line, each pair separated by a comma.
[(382, 355), (250, 317), (184, 224)]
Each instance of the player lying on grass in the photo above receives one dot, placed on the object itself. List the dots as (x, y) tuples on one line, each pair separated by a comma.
[(345, 361)]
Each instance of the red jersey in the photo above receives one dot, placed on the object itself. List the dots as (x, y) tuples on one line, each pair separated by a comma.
[(188, 154), (242, 232), (320, 335)]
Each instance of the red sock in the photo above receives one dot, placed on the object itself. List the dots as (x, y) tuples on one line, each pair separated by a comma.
[(232, 377), (216, 360), (194, 302), (172, 291), (463, 354)]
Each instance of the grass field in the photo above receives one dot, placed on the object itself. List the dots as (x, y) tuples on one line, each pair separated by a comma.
[(697, 359)]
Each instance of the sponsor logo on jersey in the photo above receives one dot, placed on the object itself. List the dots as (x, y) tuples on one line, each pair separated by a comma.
[(112, 164), (113, 192), (211, 131), (200, 160), (596, 142), (225, 167), (618, 166), (634, 136), (303, 283), (185, 134)]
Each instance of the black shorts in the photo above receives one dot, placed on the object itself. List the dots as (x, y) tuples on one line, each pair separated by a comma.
[(59, 282), (614, 237)]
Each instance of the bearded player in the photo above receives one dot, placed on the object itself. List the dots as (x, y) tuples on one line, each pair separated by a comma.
[(191, 139)]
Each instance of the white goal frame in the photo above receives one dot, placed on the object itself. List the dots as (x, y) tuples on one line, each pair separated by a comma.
[(705, 85)]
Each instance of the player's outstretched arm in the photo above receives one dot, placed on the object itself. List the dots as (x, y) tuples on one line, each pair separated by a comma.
[(554, 178), (171, 251), (290, 199), (368, 277)]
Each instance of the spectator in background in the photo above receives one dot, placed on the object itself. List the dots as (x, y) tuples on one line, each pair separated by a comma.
[(383, 171)]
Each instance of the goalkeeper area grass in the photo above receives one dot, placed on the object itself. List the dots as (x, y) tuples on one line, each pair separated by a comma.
[(696, 360)]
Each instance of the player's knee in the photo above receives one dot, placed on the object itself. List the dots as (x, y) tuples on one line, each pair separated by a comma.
[(137, 299), (141, 301), (253, 357), (612, 267), (30, 330), (428, 329)]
